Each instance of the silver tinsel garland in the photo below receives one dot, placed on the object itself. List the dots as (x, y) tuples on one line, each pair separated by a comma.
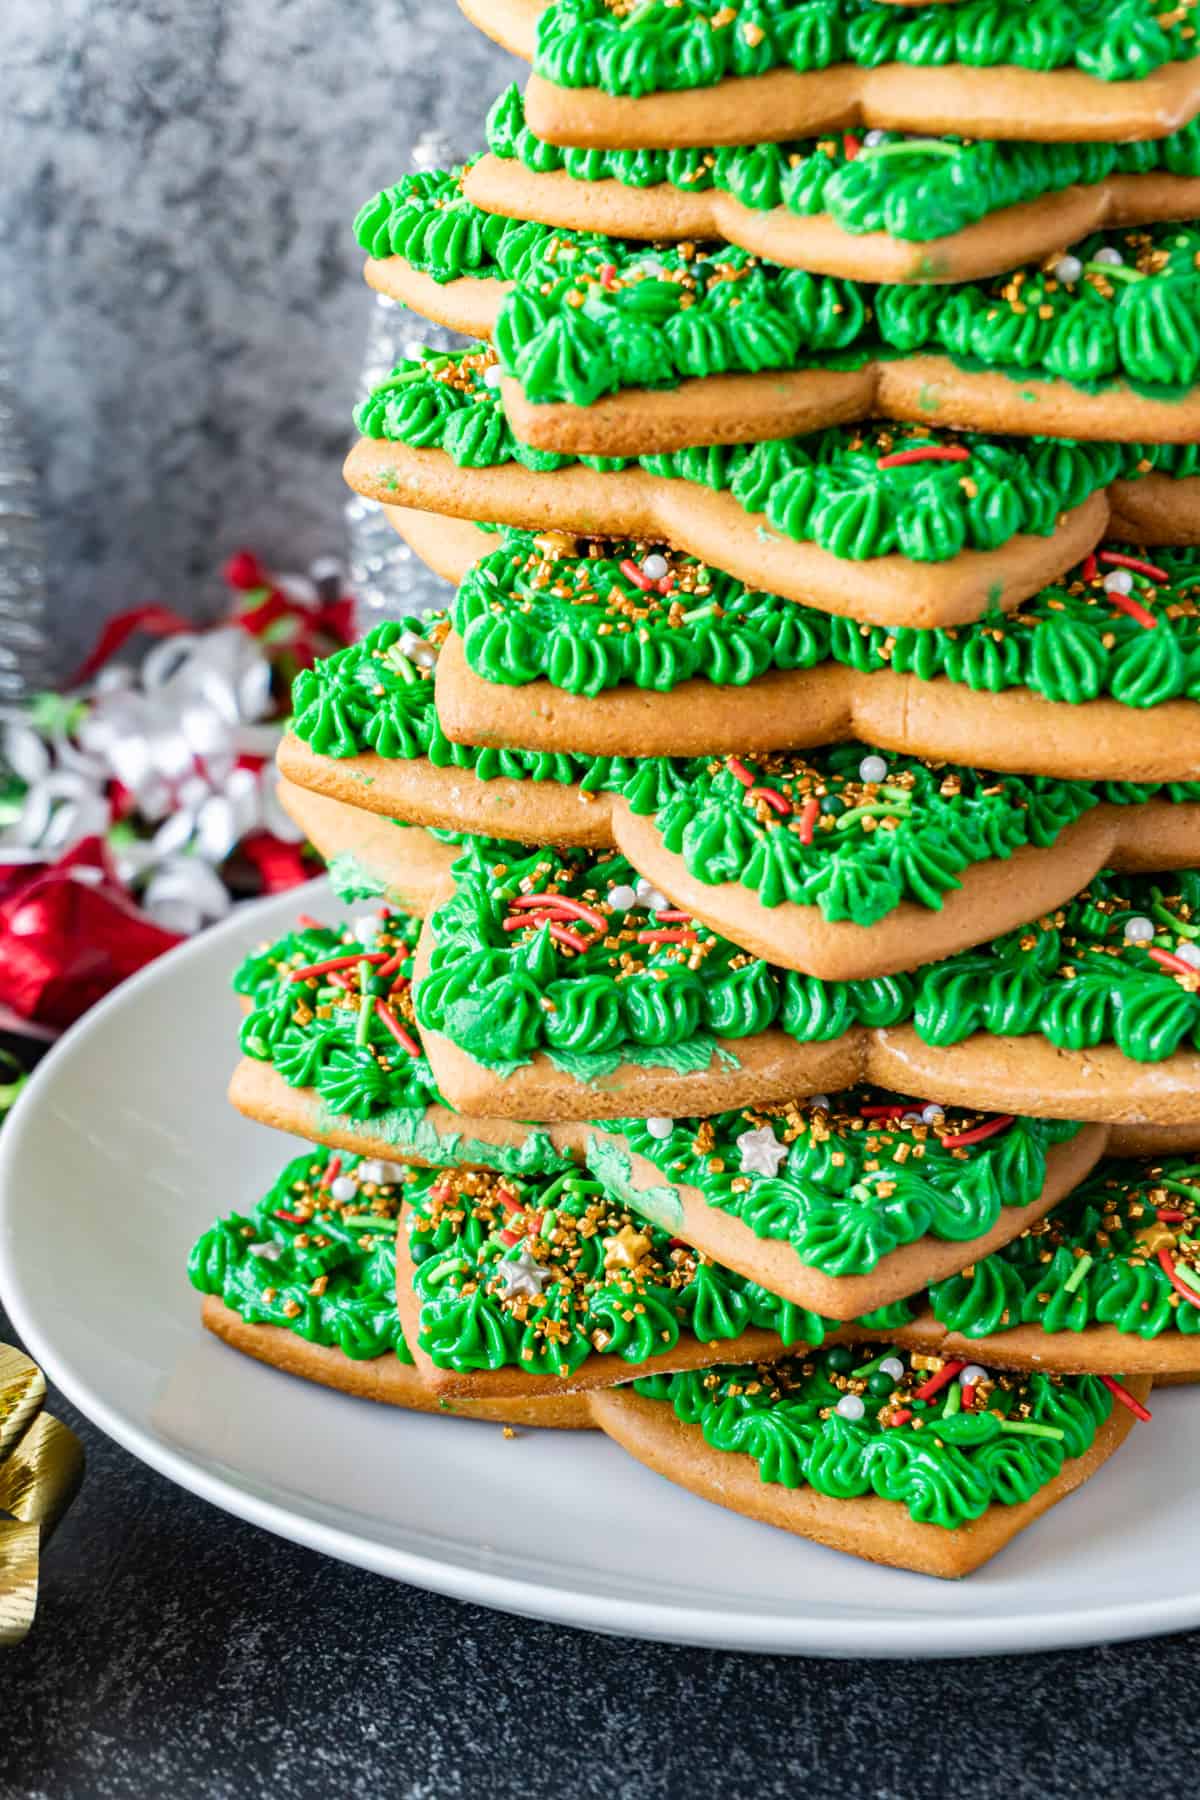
[(24, 649), (386, 579)]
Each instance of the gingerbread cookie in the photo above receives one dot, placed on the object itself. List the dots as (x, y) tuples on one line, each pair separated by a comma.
[(884, 207), (618, 349), (562, 651), (531, 1288), (315, 1067), (307, 1284), (370, 858), (1089, 1012), (780, 515), (843, 1204), (876, 1452), (365, 731), (664, 76), (1108, 1280), (846, 864)]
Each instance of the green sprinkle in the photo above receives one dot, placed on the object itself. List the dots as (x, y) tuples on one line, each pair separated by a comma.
[(699, 612), (953, 1401), (1075, 1278), (1114, 271), (912, 147), (1029, 1429), (869, 1368), (451, 1266), (887, 810), (362, 1029)]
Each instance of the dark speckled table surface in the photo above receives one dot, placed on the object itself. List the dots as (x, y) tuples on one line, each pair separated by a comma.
[(179, 297)]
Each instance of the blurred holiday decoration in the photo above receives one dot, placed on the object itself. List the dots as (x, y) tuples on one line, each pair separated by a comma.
[(24, 651), (387, 579), (41, 1463), (140, 806)]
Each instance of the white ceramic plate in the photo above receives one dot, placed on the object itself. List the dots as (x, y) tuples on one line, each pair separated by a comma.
[(123, 1150)]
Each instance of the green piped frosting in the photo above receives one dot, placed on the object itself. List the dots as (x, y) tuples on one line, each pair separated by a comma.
[(309, 1032), (600, 1281), (925, 190), (946, 1465), (589, 622), (606, 994), (1074, 977), (319, 1266), (662, 46), (1093, 1261), (840, 1186), (590, 318), (854, 832)]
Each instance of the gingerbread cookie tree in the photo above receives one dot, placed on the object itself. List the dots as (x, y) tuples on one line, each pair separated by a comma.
[(786, 833)]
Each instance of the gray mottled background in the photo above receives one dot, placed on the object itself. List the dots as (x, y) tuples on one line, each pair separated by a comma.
[(178, 275)]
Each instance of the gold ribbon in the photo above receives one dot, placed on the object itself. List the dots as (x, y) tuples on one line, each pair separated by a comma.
[(41, 1463)]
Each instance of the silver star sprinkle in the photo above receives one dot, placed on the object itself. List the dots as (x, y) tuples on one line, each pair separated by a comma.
[(522, 1275), (761, 1152)]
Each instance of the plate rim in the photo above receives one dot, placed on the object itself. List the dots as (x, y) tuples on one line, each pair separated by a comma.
[(698, 1625)]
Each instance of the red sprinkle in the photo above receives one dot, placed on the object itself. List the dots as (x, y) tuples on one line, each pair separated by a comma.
[(936, 1383), (392, 1024), (1126, 1398), (851, 145), (293, 1218), (1166, 960), (737, 768), (572, 909), (333, 1169), (976, 1135), (392, 964), (809, 815), (931, 453), (1171, 1215), (672, 915), (892, 1109), (674, 936), (339, 962), (1089, 570), (632, 573), (1119, 560), (1166, 1263), (1134, 609), (901, 1417), (777, 802), (968, 1396), (306, 922), (608, 275), (509, 1238)]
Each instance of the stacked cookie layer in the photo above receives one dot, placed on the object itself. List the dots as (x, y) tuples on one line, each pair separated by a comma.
[(795, 809)]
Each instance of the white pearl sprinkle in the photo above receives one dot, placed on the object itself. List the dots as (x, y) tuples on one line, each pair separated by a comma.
[(1068, 269), (872, 768), (1118, 581), (1110, 255), (850, 1406), (417, 649), (492, 377), (873, 139), (819, 1100), (891, 1365), (659, 1127), (655, 567), (622, 897), (932, 1113), (366, 931), (1139, 929), (649, 896), (343, 1189), (972, 1375), (1190, 954)]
